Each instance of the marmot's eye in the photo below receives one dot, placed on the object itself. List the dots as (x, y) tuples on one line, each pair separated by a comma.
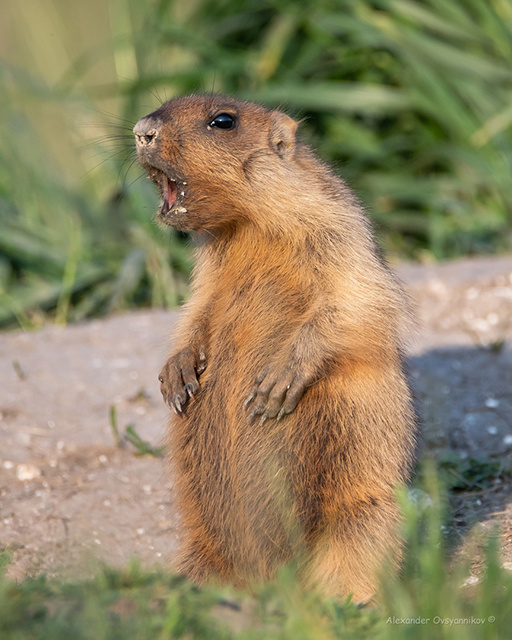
[(223, 121)]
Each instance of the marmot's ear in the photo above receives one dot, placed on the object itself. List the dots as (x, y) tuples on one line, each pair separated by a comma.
[(282, 134)]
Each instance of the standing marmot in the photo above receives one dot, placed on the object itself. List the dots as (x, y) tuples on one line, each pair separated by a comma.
[(294, 422)]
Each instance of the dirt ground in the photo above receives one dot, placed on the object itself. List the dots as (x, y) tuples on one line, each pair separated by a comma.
[(70, 498)]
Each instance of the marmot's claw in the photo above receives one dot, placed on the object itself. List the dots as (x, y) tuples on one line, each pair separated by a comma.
[(178, 378), (275, 393), (257, 411), (249, 399), (191, 388)]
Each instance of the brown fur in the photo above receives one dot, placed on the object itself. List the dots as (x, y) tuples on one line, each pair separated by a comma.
[(293, 312)]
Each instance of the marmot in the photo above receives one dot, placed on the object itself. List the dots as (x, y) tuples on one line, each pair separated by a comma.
[(294, 422)]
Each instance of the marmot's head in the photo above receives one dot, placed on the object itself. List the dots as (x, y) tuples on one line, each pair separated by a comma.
[(214, 159)]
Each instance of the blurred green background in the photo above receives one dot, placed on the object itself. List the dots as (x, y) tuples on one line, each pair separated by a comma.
[(411, 101)]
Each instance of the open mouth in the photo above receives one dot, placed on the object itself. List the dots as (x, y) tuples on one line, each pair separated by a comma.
[(171, 192)]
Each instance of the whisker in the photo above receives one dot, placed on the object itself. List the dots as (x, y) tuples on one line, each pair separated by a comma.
[(112, 155), (115, 117), (126, 171), (155, 95), (130, 184), (110, 143)]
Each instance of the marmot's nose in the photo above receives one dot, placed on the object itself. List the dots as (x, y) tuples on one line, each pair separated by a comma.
[(146, 131)]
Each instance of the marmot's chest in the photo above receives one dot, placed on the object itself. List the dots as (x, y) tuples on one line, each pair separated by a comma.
[(254, 319)]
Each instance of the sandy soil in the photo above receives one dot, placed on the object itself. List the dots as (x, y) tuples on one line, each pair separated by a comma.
[(70, 498)]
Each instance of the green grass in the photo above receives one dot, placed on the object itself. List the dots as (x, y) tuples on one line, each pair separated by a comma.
[(132, 437), (409, 100), (428, 602)]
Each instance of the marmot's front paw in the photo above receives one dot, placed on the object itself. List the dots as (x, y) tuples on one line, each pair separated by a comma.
[(276, 392), (179, 375)]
